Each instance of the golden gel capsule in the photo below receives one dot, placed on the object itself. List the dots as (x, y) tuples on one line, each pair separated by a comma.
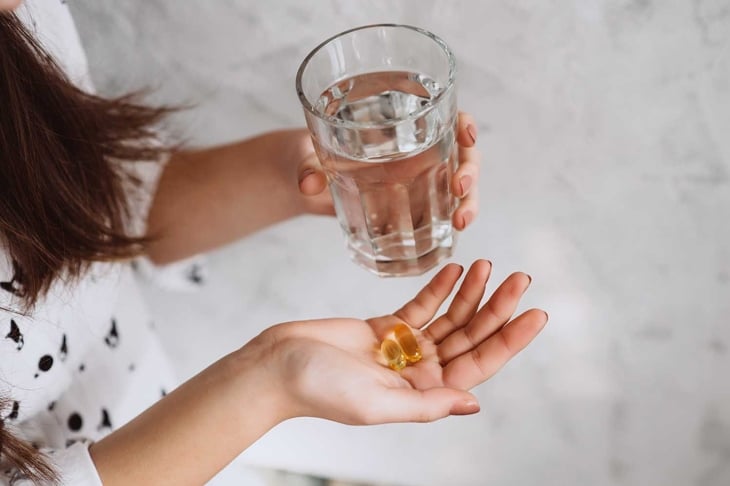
[(393, 354), (408, 342)]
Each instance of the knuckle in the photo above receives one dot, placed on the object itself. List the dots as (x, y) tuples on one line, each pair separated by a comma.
[(365, 417), (425, 416), (465, 118), (471, 336), (492, 315), (366, 412), (502, 339), (476, 356), (471, 202), (468, 202)]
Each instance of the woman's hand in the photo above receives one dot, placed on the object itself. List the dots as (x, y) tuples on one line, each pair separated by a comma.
[(325, 368), (332, 368), (210, 197), (317, 200)]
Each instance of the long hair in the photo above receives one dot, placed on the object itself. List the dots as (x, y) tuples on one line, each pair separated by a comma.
[(63, 182)]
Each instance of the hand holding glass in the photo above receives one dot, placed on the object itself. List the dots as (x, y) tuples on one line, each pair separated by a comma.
[(380, 104)]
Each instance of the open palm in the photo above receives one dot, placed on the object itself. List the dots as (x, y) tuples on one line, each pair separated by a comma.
[(336, 370)]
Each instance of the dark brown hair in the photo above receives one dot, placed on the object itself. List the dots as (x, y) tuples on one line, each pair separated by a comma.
[(64, 155)]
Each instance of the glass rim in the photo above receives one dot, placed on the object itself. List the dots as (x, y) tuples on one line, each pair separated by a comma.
[(388, 123)]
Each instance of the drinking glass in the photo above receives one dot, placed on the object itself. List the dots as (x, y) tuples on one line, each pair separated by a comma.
[(380, 104)]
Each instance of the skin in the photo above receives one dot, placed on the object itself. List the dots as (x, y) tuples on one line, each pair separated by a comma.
[(322, 368), (329, 369), (207, 198), (9, 4)]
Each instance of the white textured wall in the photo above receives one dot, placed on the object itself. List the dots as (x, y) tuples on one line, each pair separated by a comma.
[(605, 127)]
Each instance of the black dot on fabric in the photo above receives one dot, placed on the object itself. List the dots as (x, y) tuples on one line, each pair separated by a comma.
[(64, 349), (45, 363), (15, 335), (112, 338), (75, 422), (194, 274), (164, 392), (14, 412), (82, 367), (51, 406), (132, 367), (15, 285), (106, 421)]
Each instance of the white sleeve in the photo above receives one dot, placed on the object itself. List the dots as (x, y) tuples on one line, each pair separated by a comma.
[(52, 23), (182, 276), (73, 465)]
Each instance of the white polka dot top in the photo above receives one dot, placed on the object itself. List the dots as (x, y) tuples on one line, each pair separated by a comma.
[(86, 360)]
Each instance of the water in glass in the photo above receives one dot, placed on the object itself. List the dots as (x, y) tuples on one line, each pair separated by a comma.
[(391, 181)]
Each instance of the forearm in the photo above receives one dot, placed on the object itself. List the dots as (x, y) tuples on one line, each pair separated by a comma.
[(211, 197), (190, 435)]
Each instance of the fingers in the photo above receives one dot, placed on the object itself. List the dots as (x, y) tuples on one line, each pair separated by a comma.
[(465, 181), (492, 316), (466, 130), (482, 362), (410, 405), (312, 180), (467, 211), (419, 311), (465, 302)]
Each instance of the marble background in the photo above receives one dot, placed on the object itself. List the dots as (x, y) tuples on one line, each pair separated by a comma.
[(605, 127)]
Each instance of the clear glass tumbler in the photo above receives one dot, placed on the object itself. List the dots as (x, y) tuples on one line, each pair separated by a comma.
[(380, 104)]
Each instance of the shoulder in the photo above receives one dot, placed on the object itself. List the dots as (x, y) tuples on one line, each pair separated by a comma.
[(52, 24)]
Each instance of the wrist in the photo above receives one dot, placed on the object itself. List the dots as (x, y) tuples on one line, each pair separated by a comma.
[(256, 382), (285, 150), (221, 411)]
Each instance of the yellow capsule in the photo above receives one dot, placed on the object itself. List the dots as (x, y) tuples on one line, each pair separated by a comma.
[(393, 354), (408, 343)]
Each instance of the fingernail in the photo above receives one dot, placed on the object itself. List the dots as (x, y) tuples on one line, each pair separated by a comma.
[(469, 403), (465, 184), (467, 218), (529, 278), (305, 173), (459, 267), (465, 407), (547, 317), (472, 132)]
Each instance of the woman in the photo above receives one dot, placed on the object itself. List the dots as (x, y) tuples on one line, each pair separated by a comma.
[(83, 380)]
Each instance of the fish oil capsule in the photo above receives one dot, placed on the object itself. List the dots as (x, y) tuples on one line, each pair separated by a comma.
[(408, 343), (393, 354)]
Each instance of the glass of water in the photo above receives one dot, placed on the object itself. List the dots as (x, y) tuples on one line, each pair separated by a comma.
[(380, 105)]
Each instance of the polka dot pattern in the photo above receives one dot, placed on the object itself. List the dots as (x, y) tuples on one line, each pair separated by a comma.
[(84, 360), (45, 363), (75, 422)]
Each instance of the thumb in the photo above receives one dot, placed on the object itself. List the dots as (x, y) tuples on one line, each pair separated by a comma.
[(312, 180), (409, 405)]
